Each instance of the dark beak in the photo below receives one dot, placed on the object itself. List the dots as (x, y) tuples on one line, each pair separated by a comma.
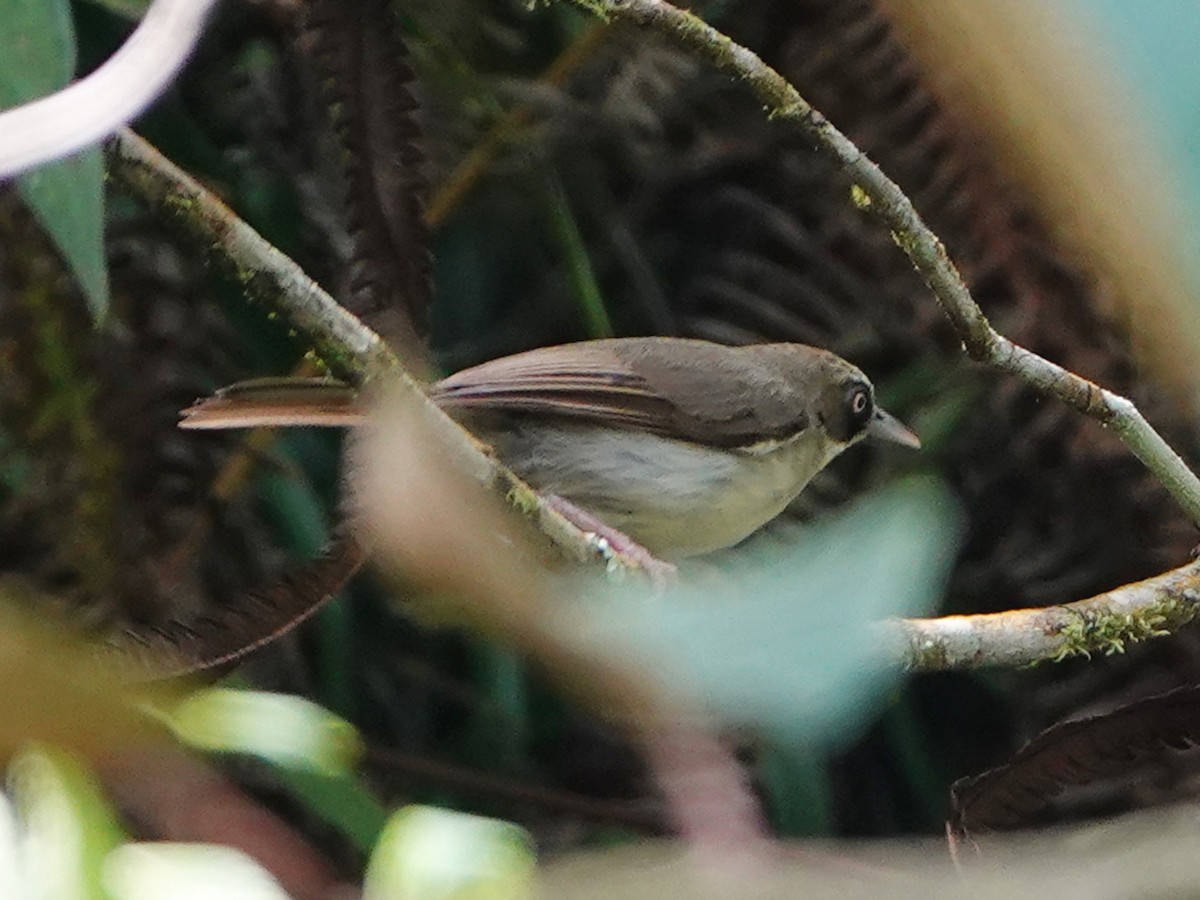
[(886, 427)]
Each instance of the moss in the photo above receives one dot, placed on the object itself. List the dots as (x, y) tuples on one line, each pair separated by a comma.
[(522, 499), (595, 7), (859, 197), (1100, 631), (904, 241), (927, 655), (181, 205)]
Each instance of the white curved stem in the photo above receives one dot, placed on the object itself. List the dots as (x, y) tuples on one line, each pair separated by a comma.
[(93, 107)]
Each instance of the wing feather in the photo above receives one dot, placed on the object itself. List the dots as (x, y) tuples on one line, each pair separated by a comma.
[(698, 391)]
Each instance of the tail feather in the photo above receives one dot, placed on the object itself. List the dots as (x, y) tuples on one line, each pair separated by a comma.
[(277, 402)]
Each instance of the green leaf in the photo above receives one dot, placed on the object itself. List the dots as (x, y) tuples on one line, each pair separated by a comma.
[(312, 751), (284, 730), (339, 800), (427, 853), (37, 57), (785, 637)]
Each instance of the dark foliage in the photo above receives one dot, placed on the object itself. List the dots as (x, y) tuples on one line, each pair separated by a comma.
[(1074, 753)]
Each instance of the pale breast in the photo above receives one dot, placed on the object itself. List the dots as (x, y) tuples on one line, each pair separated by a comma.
[(674, 498)]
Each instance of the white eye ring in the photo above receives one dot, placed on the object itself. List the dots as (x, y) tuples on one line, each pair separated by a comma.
[(859, 402)]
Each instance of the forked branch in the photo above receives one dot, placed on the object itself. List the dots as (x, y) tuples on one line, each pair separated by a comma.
[(882, 197)]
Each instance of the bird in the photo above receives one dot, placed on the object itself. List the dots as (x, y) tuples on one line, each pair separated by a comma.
[(677, 447)]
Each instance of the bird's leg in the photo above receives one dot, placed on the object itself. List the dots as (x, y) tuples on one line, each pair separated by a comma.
[(662, 574)]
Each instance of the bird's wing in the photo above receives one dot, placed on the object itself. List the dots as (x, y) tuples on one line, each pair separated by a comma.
[(697, 392)]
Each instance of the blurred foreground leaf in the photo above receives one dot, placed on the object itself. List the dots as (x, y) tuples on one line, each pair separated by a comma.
[(435, 854), (57, 691), (1135, 857), (783, 638), (281, 729), (37, 57), (67, 826), (12, 881), (187, 872), (312, 751)]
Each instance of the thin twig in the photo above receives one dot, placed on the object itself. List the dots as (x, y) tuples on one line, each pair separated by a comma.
[(349, 348), (474, 166), (1106, 624), (641, 815), (880, 195)]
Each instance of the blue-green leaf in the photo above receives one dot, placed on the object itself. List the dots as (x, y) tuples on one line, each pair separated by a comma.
[(37, 57), (785, 637)]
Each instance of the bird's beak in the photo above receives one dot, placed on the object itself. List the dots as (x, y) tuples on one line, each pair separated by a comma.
[(886, 427)]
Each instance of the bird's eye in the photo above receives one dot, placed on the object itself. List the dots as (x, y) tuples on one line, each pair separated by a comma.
[(859, 401)]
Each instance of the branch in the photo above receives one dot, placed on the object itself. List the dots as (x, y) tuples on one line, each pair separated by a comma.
[(351, 349), (877, 193), (1021, 637)]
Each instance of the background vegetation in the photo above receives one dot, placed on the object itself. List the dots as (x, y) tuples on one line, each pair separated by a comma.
[(584, 181)]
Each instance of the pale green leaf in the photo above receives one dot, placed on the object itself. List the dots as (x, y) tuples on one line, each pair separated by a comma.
[(284, 730), (187, 872), (12, 878), (67, 828), (427, 853)]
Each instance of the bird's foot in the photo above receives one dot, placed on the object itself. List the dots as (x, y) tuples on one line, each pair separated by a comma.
[(612, 543)]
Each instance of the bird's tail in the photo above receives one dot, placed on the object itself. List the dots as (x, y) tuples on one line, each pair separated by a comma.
[(278, 402)]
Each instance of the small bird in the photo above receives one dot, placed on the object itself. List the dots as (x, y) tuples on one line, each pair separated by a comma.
[(680, 446)]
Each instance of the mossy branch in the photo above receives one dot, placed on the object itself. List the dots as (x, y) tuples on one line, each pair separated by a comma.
[(883, 198), (1104, 624), (350, 348)]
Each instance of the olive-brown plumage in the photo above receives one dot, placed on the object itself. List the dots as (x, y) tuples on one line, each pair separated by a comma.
[(684, 445)]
